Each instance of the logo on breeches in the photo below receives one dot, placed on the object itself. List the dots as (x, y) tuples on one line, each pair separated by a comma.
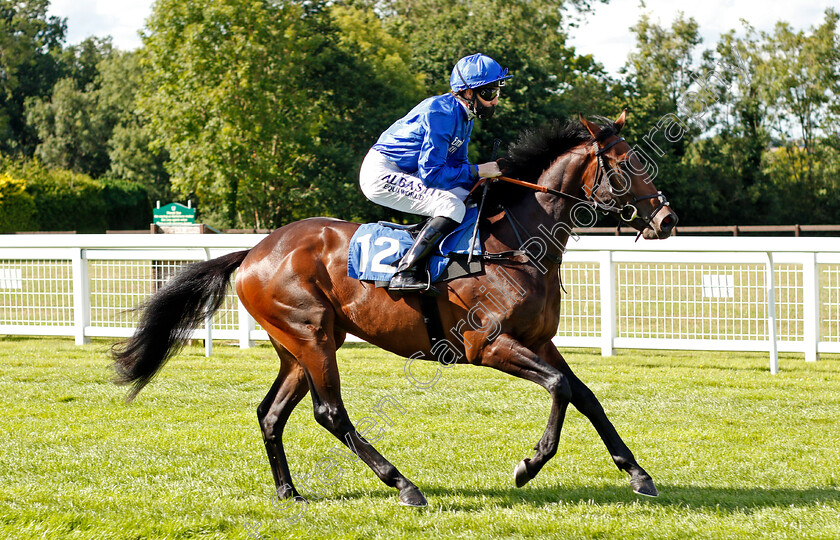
[(406, 186)]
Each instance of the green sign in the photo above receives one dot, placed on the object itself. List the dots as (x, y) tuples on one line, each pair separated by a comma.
[(174, 214)]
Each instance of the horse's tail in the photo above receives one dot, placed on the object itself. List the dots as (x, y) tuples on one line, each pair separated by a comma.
[(169, 316)]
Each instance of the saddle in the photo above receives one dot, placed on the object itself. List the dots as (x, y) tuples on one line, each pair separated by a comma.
[(376, 249)]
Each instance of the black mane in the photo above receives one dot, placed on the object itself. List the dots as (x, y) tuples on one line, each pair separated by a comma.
[(536, 149)]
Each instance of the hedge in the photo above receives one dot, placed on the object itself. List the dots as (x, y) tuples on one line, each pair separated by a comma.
[(60, 200), (17, 207)]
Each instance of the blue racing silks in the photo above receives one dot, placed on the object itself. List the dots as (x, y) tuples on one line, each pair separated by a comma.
[(431, 141)]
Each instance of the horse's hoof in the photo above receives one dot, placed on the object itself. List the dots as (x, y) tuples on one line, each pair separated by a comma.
[(644, 486), (287, 492), (520, 473), (411, 496)]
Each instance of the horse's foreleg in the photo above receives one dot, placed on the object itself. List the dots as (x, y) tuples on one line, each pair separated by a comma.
[(585, 401), (273, 413), (508, 355)]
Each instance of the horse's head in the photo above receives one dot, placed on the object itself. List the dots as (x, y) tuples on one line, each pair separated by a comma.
[(621, 184)]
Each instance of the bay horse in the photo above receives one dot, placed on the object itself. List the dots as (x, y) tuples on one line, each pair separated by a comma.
[(295, 284)]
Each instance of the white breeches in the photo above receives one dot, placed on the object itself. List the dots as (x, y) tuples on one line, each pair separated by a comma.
[(384, 183)]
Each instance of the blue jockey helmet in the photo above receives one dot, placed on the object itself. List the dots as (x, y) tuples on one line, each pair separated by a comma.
[(476, 70)]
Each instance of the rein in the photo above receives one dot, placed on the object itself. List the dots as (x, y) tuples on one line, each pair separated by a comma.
[(628, 212)]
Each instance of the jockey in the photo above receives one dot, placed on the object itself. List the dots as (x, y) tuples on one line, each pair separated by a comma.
[(419, 165)]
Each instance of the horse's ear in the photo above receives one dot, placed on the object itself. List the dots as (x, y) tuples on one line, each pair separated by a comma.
[(619, 123), (593, 129)]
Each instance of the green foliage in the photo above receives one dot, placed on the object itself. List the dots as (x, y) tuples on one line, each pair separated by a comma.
[(812, 198), (804, 110), (61, 200), (65, 200), (17, 208), (222, 99), (131, 151), (81, 62), (734, 98), (127, 205), (29, 44), (747, 110), (364, 84), (716, 189), (71, 130), (549, 79), (662, 64), (657, 75), (262, 111), (134, 159), (94, 127), (266, 109)]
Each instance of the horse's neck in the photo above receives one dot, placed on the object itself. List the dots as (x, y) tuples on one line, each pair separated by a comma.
[(547, 216)]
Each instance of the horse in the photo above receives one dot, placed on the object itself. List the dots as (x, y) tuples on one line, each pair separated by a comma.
[(295, 285)]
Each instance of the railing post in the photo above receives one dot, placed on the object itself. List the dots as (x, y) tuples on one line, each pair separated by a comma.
[(771, 315), (811, 306), (608, 303), (81, 296), (246, 325)]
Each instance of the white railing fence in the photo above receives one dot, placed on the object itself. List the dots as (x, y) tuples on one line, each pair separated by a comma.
[(684, 293)]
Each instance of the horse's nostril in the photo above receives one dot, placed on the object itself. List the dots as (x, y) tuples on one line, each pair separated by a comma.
[(667, 223)]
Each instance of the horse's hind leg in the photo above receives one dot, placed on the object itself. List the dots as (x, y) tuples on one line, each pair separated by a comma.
[(585, 401), (318, 360), (273, 413), (308, 333)]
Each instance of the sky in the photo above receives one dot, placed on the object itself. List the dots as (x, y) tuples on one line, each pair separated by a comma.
[(605, 33)]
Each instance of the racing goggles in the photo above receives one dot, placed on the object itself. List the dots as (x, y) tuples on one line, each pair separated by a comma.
[(490, 92)]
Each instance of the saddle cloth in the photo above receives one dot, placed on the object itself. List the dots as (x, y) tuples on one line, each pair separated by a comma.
[(376, 250)]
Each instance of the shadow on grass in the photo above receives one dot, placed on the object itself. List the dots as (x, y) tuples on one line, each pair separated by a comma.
[(17, 339), (698, 497)]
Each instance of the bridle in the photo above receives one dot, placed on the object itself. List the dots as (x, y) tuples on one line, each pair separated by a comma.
[(628, 212)]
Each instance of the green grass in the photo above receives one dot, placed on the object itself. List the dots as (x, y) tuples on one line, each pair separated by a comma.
[(736, 452)]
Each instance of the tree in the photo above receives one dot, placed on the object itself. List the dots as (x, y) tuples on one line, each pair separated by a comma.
[(663, 62), (266, 108), (221, 98), (804, 74), (72, 133), (772, 112), (81, 62), (656, 77), (730, 103), (71, 128), (29, 44), (550, 79), (17, 207), (96, 129), (132, 155), (34, 197), (362, 77)]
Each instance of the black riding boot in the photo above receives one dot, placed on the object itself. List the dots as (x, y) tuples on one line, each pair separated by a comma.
[(407, 279)]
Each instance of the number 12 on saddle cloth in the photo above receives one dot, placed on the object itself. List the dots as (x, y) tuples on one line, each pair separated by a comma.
[(376, 249)]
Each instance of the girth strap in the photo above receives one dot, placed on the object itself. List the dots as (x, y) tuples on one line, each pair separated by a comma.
[(431, 318), (500, 256)]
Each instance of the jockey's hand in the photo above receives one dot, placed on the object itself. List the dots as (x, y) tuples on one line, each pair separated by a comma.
[(489, 170)]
